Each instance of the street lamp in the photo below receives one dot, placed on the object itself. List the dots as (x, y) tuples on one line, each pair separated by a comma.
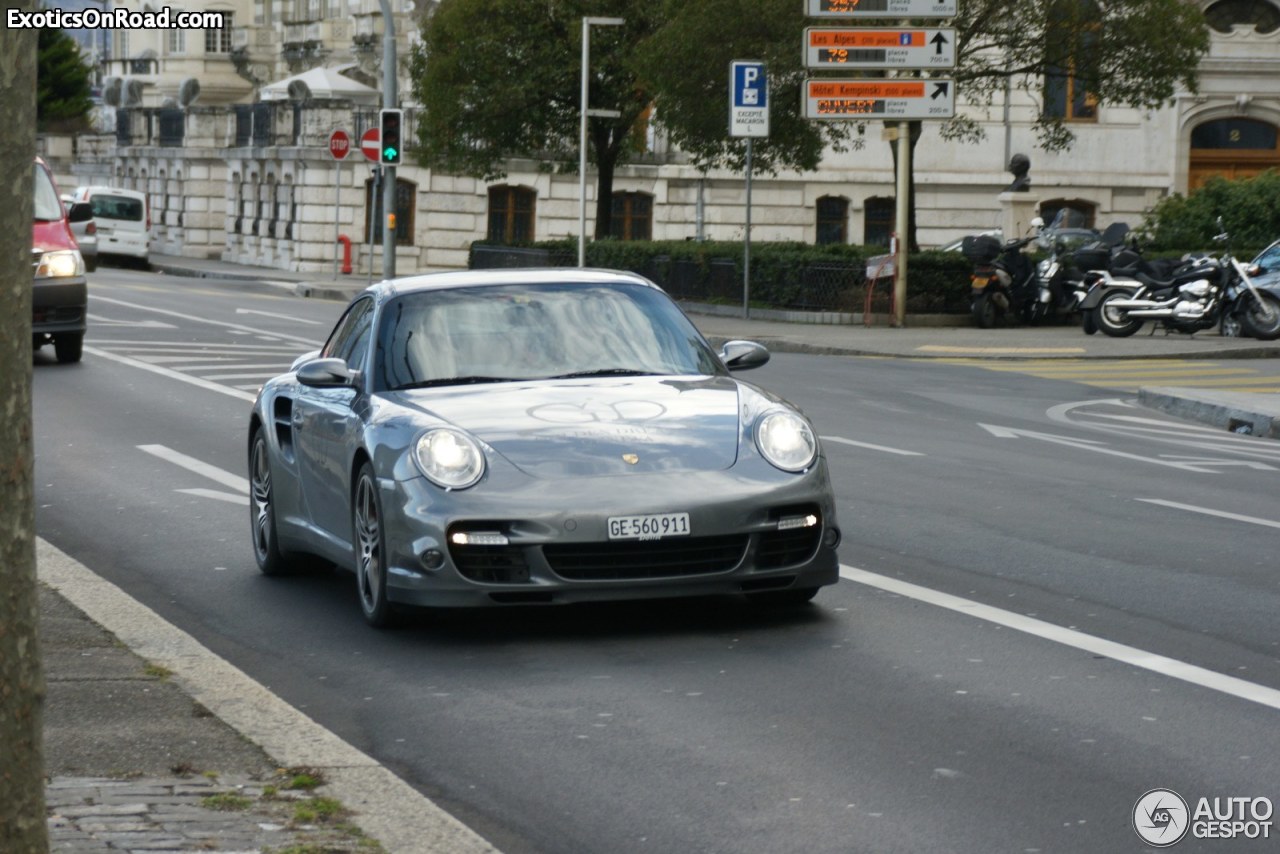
[(582, 136)]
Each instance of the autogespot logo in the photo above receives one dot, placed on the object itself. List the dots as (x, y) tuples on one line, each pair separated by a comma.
[(1160, 817)]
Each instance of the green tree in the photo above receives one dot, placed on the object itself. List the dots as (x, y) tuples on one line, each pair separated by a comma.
[(1249, 208), (500, 80), (63, 97), (22, 817)]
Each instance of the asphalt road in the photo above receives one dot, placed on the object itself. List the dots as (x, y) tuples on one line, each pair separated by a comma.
[(1045, 587)]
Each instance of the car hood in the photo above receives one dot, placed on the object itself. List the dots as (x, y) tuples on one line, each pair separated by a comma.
[(48, 236), (595, 427)]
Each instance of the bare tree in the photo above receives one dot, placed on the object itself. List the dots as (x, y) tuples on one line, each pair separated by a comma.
[(22, 807)]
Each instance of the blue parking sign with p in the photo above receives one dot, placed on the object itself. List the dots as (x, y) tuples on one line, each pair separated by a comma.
[(750, 86)]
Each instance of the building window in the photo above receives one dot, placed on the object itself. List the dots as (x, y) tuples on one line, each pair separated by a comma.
[(877, 220), (632, 216), (1073, 35), (511, 214), (1261, 15), (406, 204), (177, 42), (1075, 213), (219, 41), (833, 220)]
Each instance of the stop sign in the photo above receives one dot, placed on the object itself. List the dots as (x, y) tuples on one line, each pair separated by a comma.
[(339, 144), (370, 143)]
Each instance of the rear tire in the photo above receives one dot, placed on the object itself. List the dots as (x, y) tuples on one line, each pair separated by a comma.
[(984, 311), (1261, 317), (1113, 321), (68, 346), (1088, 323)]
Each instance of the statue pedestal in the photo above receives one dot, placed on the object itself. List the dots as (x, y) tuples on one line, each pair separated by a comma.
[(1017, 211)]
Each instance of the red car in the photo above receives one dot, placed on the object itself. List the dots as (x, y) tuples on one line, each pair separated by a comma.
[(60, 295)]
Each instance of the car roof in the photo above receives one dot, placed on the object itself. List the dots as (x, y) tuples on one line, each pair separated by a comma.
[(507, 276)]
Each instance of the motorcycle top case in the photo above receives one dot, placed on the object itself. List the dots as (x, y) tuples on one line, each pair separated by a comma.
[(980, 248), (1095, 256)]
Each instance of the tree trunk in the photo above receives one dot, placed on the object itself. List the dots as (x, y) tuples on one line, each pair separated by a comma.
[(606, 152), (22, 807)]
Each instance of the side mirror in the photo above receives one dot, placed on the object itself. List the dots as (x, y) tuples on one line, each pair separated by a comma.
[(303, 359), (327, 373), (80, 212), (1037, 223), (743, 355)]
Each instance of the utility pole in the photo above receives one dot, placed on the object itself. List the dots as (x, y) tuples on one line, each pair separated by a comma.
[(390, 99)]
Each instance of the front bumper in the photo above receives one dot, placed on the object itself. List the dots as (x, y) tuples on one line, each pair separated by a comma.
[(59, 305), (556, 556)]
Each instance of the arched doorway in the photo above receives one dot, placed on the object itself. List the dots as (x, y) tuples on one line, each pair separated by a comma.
[(1232, 148)]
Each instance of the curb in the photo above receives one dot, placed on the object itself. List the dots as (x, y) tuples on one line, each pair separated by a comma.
[(1237, 412)]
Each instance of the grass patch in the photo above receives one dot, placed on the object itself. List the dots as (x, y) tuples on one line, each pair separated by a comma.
[(318, 811), (226, 802), (157, 671)]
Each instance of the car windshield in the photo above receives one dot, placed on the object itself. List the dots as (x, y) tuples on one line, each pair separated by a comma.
[(1269, 260), (524, 332), (47, 206)]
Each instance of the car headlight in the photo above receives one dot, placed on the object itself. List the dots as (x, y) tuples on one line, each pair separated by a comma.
[(786, 440), (60, 264), (449, 458)]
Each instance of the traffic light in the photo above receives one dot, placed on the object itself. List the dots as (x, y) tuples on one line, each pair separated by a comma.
[(392, 147)]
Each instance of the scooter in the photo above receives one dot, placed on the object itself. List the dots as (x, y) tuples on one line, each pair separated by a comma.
[(1003, 281)]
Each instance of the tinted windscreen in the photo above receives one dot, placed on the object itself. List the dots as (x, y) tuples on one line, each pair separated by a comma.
[(520, 332), (47, 207), (116, 207)]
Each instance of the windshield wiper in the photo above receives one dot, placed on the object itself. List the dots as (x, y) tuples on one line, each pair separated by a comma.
[(603, 372), (472, 380)]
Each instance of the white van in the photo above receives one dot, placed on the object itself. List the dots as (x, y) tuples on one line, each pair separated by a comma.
[(123, 220)]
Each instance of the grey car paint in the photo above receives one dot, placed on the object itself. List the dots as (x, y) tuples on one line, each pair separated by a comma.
[(563, 457)]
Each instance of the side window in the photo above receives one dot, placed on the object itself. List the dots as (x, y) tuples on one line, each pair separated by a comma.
[(348, 342)]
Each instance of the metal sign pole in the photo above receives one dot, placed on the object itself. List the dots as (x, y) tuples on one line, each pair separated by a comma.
[(337, 214), (375, 186), (746, 245)]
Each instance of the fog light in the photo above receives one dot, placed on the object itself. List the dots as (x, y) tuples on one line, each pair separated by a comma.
[(432, 558), (789, 522), (478, 538), (831, 537)]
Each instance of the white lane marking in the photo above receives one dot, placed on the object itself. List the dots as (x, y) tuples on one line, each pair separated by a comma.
[(188, 358), (215, 494), (1132, 656), (1088, 445), (165, 372), (1208, 511), (247, 330), (189, 346), (214, 473), (1212, 461), (265, 375), (389, 809), (872, 447), (294, 318)]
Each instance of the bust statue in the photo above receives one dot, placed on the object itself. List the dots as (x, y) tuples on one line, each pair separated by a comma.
[(1019, 165)]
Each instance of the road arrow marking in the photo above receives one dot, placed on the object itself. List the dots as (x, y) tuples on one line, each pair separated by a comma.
[(142, 324), (887, 450), (1089, 445), (280, 316), (229, 497)]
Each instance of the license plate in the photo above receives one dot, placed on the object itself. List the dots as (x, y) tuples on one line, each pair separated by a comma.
[(653, 526), (979, 282)]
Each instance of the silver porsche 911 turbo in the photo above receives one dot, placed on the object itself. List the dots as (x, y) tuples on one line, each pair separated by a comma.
[(536, 436)]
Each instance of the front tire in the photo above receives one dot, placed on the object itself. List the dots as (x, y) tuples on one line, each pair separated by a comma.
[(1261, 317), (68, 346), (1088, 323), (370, 547), (984, 311), (783, 598), (262, 511), (1115, 322)]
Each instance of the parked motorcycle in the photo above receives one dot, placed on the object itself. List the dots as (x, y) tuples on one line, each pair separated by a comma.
[(1059, 277), (1074, 279), (1197, 294), (1003, 282)]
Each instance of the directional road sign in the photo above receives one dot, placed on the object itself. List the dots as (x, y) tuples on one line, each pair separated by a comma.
[(879, 99), (845, 47), (881, 8), (748, 99)]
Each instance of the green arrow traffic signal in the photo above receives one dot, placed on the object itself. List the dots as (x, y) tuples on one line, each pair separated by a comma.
[(390, 127)]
